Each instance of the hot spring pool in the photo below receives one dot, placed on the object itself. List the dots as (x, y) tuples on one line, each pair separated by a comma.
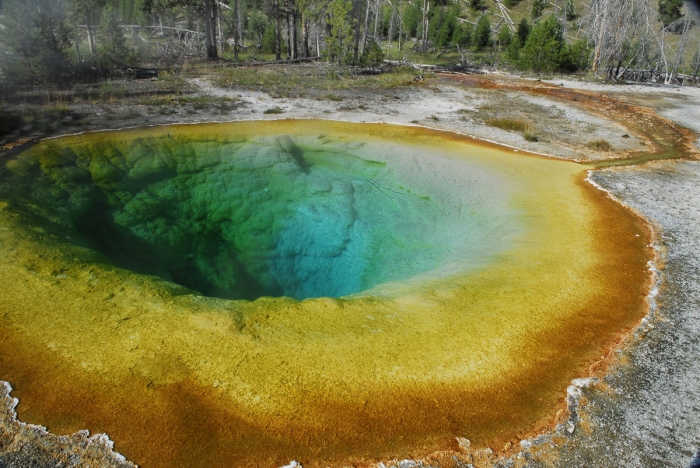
[(250, 293), (243, 218)]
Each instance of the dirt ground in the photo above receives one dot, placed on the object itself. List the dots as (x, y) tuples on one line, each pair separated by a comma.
[(564, 118)]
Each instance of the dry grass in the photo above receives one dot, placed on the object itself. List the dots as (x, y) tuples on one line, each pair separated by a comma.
[(599, 145), (287, 81), (514, 125), (517, 125)]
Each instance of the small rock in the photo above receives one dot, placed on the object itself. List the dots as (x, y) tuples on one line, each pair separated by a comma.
[(293, 464), (464, 444), (625, 136)]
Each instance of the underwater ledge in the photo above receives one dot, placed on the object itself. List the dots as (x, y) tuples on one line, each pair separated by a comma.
[(483, 351)]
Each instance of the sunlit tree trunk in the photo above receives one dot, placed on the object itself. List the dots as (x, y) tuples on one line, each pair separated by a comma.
[(92, 40), (376, 18), (305, 25), (363, 44), (219, 28)]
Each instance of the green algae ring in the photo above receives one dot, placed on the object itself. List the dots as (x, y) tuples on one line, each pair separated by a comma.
[(245, 294)]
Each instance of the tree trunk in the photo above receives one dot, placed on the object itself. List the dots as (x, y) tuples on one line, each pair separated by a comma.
[(92, 42), (278, 33), (236, 28), (77, 44), (599, 42), (681, 46), (363, 44), (210, 29), (295, 46), (403, 10), (305, 24), (318, 44), (289, 36), (391, 25), (219, 28), (376, 18), (426, 25), (356, 16)]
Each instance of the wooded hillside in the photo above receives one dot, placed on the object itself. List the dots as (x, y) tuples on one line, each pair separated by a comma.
[(68, 40)]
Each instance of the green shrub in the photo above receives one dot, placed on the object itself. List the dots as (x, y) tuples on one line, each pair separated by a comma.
[(372, 56), (530, 136), (273, 110), (578, 56), (9, 122)]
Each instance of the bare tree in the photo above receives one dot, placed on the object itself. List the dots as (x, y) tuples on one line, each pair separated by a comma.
[(619, 31), (681, 50)]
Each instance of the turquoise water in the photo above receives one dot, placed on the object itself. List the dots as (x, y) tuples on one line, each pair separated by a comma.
[(266, 216)]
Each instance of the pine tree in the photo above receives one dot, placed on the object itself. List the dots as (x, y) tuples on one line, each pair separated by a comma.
[(537, 8), (340, 39), (523, 32), (462, 35), (36, 33), (482, 33), (670, 11), (112, 50), (545, 48), (505, 37)]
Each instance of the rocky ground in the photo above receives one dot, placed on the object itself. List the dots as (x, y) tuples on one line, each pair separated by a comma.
[(646, 411)]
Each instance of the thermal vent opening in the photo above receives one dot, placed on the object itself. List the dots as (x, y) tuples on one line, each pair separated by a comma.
[(263, 216)]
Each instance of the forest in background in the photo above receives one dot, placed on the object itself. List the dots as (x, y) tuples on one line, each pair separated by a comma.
[(68, 41)]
